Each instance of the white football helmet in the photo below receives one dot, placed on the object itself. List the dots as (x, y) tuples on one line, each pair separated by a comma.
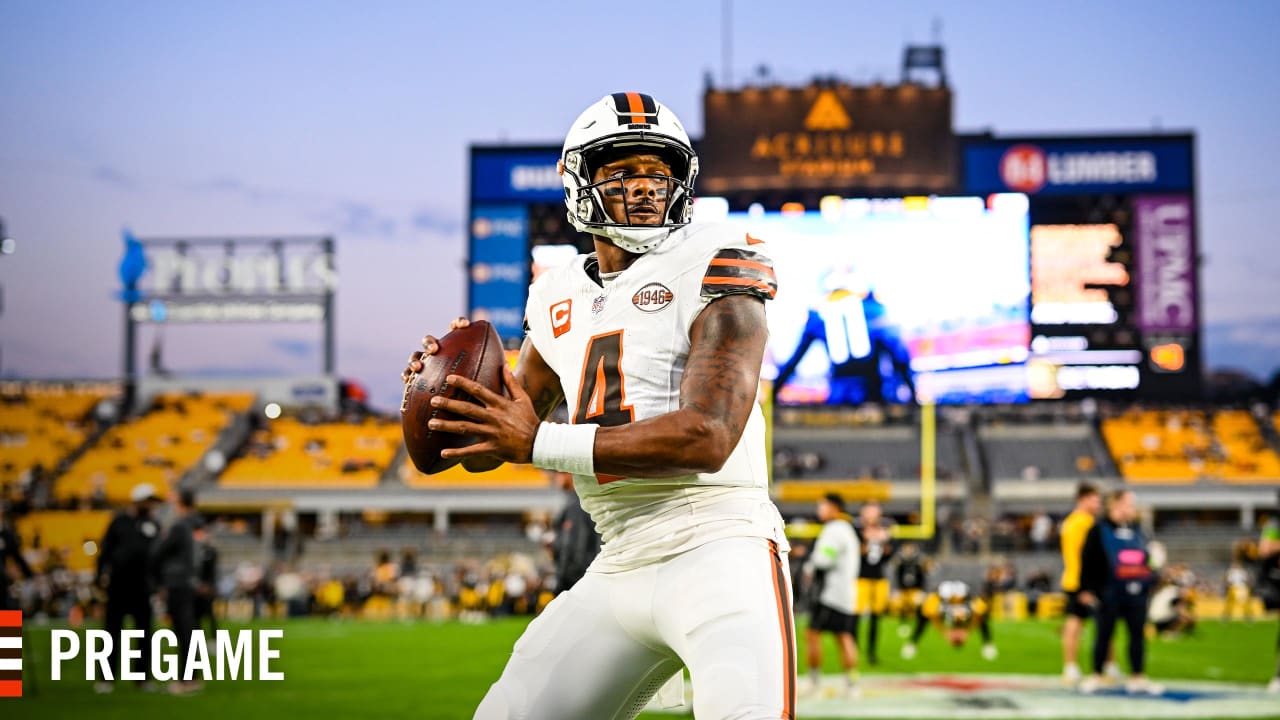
[(624, 124)]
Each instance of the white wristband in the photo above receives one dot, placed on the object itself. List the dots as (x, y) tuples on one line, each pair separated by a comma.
[(565, 448)]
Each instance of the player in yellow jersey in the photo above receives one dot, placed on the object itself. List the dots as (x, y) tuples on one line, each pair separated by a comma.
[(1079, 605)]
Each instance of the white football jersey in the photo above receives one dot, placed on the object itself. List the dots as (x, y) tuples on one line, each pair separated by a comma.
[(619, 347)]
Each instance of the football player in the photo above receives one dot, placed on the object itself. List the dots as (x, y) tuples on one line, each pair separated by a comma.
[(834, 568), (655, 341), (954, 612), (873, 584)]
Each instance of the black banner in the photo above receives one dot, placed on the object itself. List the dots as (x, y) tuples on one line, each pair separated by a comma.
[(831, 137)]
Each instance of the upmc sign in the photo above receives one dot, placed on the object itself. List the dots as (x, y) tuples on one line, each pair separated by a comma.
[(1079, 166), (1166, 264)]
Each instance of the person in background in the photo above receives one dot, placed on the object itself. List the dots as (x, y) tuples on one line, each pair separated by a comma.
[(1172, 609), (1268, 584), (877, 548), (1115, 570), (910, 577), (955, 612), (833, 565), (206, 575), (1080, 605), (576, 541), (123, 571), (10, 548), (173, 563)]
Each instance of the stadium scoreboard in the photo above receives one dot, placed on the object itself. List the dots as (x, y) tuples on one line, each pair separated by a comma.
[(1109, 254)]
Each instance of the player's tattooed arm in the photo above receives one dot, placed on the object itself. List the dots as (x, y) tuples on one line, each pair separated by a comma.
[(538, 380), (721, 378)]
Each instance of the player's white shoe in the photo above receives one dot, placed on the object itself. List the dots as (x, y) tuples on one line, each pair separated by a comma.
[(1274, 685), (1112, 673), (852, 691), (1143, 686), (1071, 674), (989, 652), (806, 685), (908, 652), (1091, 684)]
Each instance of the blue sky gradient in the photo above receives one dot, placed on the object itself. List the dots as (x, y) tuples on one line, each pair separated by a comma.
[(202, 118)]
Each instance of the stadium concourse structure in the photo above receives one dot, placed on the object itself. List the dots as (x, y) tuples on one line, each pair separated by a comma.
[(294, 450)]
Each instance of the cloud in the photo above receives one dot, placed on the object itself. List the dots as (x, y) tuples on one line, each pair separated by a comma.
[(227, 185), (436, 222), (350, 217), (301, 349), (114, 177)]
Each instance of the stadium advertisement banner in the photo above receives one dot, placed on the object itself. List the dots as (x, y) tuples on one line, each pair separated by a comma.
[(1078, 166), (819, 137), (499, 267), (1165, 260), (515, 176), (213, 280)]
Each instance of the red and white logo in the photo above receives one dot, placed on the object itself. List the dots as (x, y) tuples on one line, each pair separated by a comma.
[(561, 313), (652, 297), (1023, 168)]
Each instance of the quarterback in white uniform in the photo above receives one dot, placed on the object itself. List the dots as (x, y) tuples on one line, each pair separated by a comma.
[(655, 341)]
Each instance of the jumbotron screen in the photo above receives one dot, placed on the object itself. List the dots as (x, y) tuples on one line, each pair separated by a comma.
[(898, 300)]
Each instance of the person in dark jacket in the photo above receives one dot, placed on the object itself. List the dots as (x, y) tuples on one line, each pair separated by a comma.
[(1116, 578), (123, 572), (10, 547), (173, 563), (576, 542), (206, 575), (1268, 584)]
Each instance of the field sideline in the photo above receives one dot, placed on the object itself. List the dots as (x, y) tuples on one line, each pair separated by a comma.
[(357, 669)]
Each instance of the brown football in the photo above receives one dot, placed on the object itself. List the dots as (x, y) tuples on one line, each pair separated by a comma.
[(473, 352)]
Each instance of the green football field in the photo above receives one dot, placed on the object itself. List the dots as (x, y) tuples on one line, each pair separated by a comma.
[(358, 669)]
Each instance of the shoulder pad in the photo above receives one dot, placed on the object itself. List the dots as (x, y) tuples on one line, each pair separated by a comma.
[(737, 270)]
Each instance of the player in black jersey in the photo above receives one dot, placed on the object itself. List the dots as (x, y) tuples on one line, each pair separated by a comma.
[(873, 584), (909, 582)]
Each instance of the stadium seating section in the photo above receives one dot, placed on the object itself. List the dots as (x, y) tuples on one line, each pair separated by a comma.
[(1036, 452), (291, 453), (156, 447), (1188, 446), (72, 535), (41, 426)]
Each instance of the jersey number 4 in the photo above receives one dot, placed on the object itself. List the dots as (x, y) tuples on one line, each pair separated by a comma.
[(602, 394)]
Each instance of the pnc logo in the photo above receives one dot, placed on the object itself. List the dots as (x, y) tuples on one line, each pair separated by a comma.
[(652, 297), (561, 314), (1023, 168)]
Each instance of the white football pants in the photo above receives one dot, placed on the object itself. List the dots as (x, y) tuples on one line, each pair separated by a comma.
[(601, 650)]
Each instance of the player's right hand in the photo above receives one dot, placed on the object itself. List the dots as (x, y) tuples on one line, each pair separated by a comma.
[(429, 347)]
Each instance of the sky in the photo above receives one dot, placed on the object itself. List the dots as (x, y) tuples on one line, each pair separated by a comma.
[(353, 119)]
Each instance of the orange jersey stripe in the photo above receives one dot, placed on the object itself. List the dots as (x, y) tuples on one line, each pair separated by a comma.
[(784, 629), (10, 688), (744, 264), (759, 285), (10, 618), (636, 105)]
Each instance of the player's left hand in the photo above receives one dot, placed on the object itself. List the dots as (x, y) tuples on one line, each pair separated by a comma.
[(505, 424)]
